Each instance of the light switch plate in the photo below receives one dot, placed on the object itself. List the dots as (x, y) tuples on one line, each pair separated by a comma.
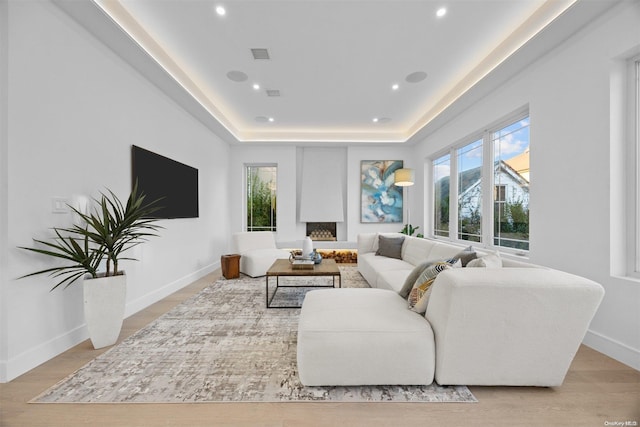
[(59, 205)]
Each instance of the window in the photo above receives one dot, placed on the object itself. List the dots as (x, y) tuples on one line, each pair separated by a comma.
[(634, 177), (625, 165), (261, 197), (511, 181), (441, 172), (496, 160), (470, 192)]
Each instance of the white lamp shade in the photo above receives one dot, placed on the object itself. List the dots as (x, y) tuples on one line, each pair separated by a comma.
[(404, 177)]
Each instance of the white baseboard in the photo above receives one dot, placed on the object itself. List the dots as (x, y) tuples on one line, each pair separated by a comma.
[(24, 362), (155, 296), (36, 356), (614, 349)]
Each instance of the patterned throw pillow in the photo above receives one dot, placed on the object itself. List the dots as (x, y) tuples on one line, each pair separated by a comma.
[(419, 297)]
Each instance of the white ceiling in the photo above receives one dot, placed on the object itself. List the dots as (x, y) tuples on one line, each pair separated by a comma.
[(334, 62)]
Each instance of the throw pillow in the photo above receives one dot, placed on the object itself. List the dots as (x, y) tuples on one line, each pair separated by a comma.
[(412, 277), (418, 269), (419, 295), (489, 261), (390, 246), (466, 255), (376, 240)]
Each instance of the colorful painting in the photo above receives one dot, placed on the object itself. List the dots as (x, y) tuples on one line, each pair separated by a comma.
[(381, 200)]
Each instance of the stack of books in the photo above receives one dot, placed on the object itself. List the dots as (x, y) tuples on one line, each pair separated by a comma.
[(302, 263)]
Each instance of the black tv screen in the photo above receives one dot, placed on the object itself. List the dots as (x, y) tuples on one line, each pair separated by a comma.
[(161, 177)]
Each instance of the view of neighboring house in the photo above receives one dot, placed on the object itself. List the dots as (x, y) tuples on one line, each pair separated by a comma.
[(511, 202)]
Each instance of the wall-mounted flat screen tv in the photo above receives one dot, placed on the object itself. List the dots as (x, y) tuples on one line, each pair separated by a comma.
[(161, 177)]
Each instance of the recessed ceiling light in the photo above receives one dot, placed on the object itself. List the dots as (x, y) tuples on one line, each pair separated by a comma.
[(237, 76), (395, 86), (271, 119), (256, 86), (220, 10), (375, 120), (441, 12)]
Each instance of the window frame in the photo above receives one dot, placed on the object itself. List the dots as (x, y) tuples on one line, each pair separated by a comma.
[(474, 144), (633, 166), (492, 139), (247, 166), (441, 160), (488, 183)]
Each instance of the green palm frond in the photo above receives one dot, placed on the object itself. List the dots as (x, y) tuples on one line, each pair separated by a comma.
[(111, 229), (84, 259)]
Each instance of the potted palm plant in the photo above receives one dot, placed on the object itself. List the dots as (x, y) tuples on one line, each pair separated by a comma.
[(103, 235)]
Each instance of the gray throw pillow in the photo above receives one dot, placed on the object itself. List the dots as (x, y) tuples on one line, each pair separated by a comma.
[(466, 255), (390, 247), (412, 277)]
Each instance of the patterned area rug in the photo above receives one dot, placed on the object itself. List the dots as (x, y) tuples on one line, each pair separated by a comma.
[(223, 345)]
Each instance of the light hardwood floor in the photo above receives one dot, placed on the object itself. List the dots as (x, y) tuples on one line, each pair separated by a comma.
[(598, 391)]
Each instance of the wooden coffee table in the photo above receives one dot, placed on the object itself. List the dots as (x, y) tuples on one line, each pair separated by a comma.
[(282, 268)]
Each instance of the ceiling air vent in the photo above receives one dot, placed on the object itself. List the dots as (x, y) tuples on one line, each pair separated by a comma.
[(260, 53), (273, 92)]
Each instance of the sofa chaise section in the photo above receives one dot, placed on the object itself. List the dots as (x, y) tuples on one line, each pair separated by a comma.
[(362, 337)]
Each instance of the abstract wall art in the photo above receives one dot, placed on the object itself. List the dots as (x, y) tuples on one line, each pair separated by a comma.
[(381, 200)]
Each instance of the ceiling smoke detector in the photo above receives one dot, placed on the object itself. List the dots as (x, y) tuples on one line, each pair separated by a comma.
[(260, 53)]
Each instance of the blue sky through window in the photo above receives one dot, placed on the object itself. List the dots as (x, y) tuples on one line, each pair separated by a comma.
[(512, 140)]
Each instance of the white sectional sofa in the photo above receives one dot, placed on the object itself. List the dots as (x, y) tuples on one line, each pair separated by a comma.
[(518, 324)]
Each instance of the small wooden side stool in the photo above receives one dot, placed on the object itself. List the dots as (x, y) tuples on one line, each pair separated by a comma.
[(230, 266)]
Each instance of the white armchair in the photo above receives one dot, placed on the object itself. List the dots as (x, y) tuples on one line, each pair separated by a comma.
[(258, 251)]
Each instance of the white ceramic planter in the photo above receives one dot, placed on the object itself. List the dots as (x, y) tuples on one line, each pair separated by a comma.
[(104, 301)]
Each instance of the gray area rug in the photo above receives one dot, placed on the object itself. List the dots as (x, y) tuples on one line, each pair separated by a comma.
[(223, 345)]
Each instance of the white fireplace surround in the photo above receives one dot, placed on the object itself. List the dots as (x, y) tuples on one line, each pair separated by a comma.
[(321, 197)]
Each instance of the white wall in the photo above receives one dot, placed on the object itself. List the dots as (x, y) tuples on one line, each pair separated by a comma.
[(285, 158), (568, 93), (74, 110), (4, 176), (289, 158)]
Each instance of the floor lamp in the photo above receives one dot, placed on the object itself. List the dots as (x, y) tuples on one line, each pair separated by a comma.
[(405, 178)]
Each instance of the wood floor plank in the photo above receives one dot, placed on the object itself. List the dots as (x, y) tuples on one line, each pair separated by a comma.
[(597, 390)]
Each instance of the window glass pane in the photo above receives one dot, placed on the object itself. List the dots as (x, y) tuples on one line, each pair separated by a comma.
[(441, 178), (470, 192), (511, 186), (261, 198)]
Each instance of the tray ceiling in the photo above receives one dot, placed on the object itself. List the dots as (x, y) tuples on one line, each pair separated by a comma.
[(329, 71)]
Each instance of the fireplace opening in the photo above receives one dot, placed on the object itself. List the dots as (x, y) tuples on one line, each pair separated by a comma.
[(322, 231)]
